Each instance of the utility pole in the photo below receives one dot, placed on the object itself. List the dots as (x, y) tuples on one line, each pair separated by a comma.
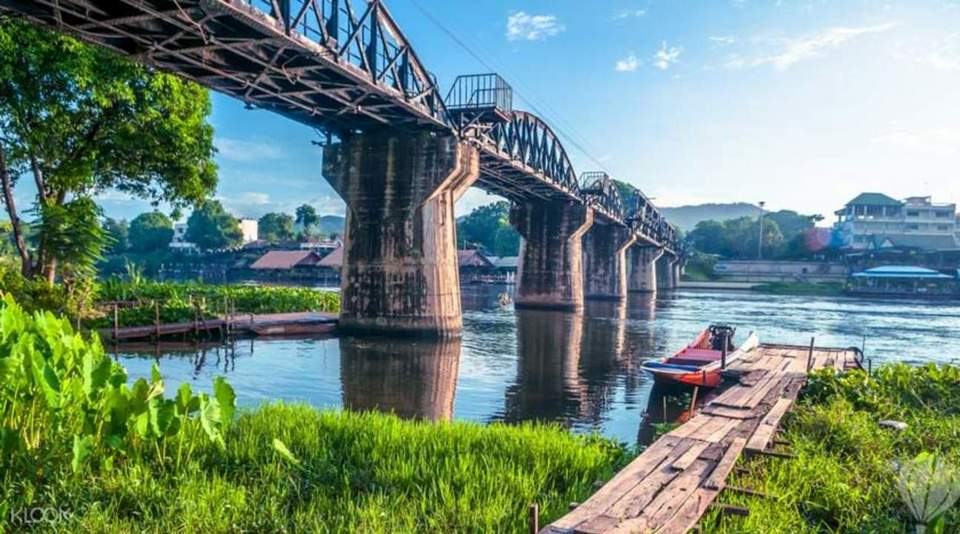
[(760, 241)]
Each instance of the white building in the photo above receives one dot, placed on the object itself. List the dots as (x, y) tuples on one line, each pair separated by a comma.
[(179, 240), (874, 221), (250, 229)]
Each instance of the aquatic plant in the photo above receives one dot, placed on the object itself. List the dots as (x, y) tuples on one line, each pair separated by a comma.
[(929, 485)]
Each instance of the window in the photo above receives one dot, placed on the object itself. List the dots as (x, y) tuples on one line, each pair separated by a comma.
[(913, 213), (913, 227), (943, 214), (943, 227)]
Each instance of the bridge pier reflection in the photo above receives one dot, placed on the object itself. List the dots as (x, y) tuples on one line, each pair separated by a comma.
[(413, 379), (547, 387)]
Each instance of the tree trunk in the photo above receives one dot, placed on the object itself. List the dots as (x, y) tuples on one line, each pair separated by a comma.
[(26, 268)]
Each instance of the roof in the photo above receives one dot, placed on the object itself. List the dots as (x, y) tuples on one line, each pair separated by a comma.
[(334, 260), (874, 199), (472, 258), (285, 259), (507, 262), (919, 241), (901, 271)]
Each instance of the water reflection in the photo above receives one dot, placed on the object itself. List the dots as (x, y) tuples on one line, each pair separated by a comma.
[(582, 371), (408, 378), (547, 386)]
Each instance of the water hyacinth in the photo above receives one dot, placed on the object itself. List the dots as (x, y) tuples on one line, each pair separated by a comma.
[(929, 485)]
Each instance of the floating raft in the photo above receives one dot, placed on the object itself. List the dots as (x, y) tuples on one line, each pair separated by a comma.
[(673, 483), (269, 324)]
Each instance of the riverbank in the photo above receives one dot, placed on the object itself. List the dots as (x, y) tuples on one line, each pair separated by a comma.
[(773, 288), (845, 475), (95, 453)]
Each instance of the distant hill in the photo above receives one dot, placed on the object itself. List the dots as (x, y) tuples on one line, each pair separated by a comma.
[(687, 217), (331, 224)]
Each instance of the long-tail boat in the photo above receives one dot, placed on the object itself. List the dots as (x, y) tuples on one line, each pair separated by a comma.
[(701, 362)]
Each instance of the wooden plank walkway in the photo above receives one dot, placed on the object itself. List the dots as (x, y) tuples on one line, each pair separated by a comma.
[(671, 485), (245, 323)]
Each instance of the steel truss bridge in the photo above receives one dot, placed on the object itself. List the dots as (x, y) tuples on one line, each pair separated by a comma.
[(344, 66)]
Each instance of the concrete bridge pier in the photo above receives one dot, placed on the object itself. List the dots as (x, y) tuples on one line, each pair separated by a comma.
[(399, 272), (550, 271), (677, 272), (642, 275), (604, 261), (665, 272)]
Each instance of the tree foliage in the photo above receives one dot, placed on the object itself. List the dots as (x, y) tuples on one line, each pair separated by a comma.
[(150, 231), (307, 218), (118, 232), (275, 227), (80, 120), (786, 234), (488, 228), (210, 227)]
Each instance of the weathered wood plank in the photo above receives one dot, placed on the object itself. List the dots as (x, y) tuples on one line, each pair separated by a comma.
[(718, 476), (768, 426), (690, 456)]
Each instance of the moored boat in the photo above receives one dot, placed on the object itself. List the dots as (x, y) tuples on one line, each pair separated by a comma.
[(701, 362)]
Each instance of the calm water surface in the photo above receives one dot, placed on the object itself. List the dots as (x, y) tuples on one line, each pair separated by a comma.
[(582, 371)]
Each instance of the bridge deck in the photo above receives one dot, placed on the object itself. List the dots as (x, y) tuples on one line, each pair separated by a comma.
[(671, 485)]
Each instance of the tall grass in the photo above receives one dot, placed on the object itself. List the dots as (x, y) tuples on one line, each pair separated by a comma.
[(844, 478), (120, 458)]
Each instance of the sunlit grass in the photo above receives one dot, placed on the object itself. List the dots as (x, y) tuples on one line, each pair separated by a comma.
[(844, 478)]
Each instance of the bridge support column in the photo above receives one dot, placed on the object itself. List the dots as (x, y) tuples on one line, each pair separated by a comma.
[(665, 272), (550, 273), (677, 271), (604, 261), (643, 269), (399, 272)]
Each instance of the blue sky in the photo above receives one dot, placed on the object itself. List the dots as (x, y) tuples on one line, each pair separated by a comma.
[(802, 104)]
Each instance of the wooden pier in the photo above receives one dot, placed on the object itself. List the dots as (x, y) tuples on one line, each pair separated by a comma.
[(673, 483), (270, 324)]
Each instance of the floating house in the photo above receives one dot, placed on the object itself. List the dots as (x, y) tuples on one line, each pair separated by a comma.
[(904, 281)]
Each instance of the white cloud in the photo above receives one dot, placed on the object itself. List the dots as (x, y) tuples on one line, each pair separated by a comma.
[(247, 204), (666, 56), (723, 40), (522, 26), (242, 150), (630, 14), (944, 55), (943, 141), (795, 50), (627, 64)]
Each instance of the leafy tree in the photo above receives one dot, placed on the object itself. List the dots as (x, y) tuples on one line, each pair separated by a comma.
[(711, 237), (274, 227), (118, 232), (307, 218), (80, 120), (791, 222), (150, 231), (488, 228), (210, 227)]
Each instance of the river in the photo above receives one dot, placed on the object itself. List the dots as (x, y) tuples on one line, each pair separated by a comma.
[(579, 370)]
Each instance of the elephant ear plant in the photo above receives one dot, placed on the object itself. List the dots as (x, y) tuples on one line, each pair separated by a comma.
[(64, 400), (929, 485)]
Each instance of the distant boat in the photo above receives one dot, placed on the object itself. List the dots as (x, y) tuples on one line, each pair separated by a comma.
[(699, 363)]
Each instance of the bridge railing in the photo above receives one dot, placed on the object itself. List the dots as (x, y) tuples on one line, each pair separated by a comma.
[(480, 91), (366, 38)]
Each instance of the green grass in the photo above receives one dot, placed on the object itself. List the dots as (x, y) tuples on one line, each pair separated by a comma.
[(357, 473), (844, 476), (120, 457), (801, 288)]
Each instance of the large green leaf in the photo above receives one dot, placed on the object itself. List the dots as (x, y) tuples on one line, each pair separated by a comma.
[(96, 372), (226, 398), (163, 413), (82, 447), (46, 378), (210, 419)]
